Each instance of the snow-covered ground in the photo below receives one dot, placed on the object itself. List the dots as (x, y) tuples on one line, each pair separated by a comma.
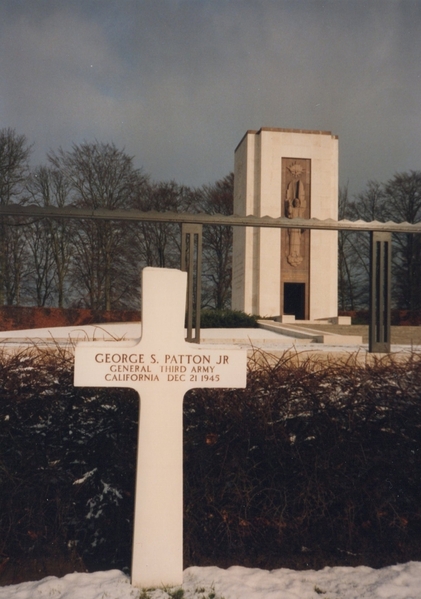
[(250, 339), (133, 330), (257, 338), (395, 582)]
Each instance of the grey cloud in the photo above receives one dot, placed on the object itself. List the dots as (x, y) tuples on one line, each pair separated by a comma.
[(178, 82)]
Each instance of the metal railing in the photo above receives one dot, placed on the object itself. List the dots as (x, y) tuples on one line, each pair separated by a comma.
[(380, 256), (206, 219)]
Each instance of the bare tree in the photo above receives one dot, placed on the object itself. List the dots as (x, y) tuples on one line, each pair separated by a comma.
[(348, 264), (217, 242), (158, 244), (101, 176), (16, 260), (14, 154), (50, 241), (354, 246), (403, 203), (399, 200), (39, 285)]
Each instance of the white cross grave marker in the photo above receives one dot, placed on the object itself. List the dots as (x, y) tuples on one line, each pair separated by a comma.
[(161, 367)]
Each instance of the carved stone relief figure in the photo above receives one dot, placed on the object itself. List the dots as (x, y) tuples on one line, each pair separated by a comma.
[(295, 204)]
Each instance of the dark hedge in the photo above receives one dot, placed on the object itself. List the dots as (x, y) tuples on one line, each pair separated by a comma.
[(227, 319), (311, 465)]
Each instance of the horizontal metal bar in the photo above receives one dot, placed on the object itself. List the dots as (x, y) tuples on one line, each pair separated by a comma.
[(206, 219)]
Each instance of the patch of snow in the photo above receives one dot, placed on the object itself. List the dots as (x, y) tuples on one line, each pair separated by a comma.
[(402, 581), (87, 475)]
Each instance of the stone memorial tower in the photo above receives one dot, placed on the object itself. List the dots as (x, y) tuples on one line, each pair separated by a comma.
[(281, 272)]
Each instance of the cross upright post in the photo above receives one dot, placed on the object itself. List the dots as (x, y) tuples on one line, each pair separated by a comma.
[(161, 367)]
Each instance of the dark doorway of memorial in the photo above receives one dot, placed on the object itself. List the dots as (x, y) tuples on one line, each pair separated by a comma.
[(294, 300)]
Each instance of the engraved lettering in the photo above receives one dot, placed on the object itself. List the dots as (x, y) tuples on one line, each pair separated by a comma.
[(187, 359), (131, 377), (223, 360), (203, 368)]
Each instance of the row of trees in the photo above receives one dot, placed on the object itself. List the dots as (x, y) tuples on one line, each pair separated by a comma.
[(398, 200), (96, 264)]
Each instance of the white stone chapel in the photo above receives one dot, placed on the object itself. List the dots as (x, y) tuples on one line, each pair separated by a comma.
[(286, 273)]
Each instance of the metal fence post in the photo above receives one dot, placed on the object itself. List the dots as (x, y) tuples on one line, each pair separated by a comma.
[(380, 291), (191, 262)]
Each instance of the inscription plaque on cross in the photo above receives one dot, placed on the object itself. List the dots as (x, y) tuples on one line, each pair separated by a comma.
[(161, 367)]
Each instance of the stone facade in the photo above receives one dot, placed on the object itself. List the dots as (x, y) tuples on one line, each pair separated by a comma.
[(291, 173)]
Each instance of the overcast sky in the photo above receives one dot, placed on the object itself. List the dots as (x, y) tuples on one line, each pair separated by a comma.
[(177, 83)]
